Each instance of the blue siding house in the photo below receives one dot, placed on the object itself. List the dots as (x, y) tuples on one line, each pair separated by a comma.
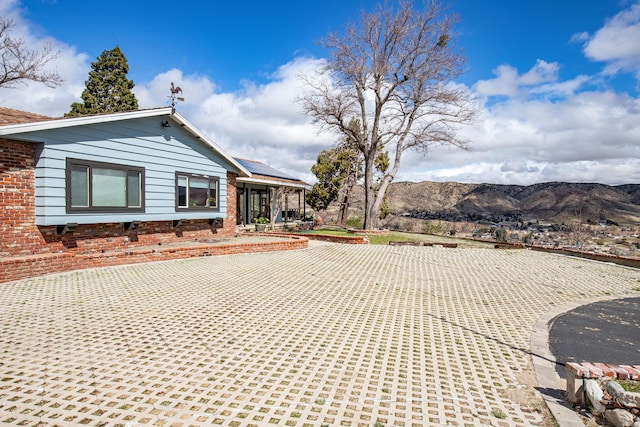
[(140, 166)]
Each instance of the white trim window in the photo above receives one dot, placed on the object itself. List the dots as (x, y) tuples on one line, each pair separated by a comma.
[(197, 192)]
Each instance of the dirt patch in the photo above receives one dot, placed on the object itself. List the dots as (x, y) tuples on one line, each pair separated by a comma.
[(529, 399)]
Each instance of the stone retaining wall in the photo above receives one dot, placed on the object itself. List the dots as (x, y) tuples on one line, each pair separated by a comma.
[(595, 385)]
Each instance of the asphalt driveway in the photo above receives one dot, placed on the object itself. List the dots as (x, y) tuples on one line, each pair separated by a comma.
[(603, 331)]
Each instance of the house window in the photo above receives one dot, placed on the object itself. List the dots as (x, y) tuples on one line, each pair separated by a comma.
[(199, 192), (104, 187)]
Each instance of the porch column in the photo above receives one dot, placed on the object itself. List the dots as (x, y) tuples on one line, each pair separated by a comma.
[(285, 212)]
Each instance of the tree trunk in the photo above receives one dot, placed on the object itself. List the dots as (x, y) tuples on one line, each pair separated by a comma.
[(276, 204), (344, 208), (349, 183), (370, 220), (379, 197)]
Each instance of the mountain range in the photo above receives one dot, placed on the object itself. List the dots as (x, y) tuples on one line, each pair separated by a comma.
[(548, 202)]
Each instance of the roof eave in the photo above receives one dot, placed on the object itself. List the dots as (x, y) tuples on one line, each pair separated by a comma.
[(243, 172), (80, 121), (26, 128), (262, 181)]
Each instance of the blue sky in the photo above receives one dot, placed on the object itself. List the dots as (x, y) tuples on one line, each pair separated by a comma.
[(557, 81)]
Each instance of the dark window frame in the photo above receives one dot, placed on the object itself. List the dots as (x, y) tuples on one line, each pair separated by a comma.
[(190, 175), (90, 164)]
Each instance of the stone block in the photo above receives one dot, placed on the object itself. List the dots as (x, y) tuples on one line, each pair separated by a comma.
[(595, 394), (619, 417)]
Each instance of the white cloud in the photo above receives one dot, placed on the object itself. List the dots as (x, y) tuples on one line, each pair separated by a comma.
[(510, 83), (591, 136), (262, 122), (542, 72), (617, 42), (70, 64), (156, 93)]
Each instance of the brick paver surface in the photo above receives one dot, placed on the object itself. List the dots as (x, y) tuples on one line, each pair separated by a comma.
[(334, 335)]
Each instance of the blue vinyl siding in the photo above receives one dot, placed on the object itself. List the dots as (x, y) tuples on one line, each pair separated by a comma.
[(137, 142)]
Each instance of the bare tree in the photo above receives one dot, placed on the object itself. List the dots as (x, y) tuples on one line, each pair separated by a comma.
[(391, 75), (277, 195), (20, 63)]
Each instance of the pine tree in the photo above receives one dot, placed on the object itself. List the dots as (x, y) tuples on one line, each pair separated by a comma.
[(107, 89)]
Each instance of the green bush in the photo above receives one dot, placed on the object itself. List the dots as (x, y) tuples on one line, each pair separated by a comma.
[(354, 222), (501, 235), (433, 228)]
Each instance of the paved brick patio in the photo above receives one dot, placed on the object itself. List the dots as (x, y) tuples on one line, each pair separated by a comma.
[(337, 335)]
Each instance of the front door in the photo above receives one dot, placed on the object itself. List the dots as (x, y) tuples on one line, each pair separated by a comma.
[(259, 205)]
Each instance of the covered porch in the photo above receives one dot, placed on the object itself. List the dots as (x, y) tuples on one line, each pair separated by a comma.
[(269, 195)]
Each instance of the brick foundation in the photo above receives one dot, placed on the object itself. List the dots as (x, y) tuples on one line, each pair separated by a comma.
[(91, 238), (15, 268)]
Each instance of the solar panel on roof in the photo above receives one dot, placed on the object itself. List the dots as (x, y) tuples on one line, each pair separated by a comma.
[(262, 169)]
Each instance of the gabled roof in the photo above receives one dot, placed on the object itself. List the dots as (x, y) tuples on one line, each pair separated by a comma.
[(265, 174), (23, 128), (9, 116)]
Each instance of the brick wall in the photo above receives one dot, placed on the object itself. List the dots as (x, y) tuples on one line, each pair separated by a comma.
[(89, 238), (15, 268), (351, 240), (18, 232), (229, 225)]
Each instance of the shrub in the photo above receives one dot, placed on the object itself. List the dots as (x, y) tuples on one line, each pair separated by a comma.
[(431, 228), (261, 220), (354, 222)]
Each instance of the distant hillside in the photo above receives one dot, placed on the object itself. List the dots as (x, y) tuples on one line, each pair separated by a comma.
[(553, 201)]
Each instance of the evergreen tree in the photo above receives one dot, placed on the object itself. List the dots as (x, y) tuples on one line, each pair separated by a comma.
[(332, 169), (107, 89)]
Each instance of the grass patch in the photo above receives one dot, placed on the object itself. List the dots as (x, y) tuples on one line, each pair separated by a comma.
[(498, 414), (630, 386), (398, 236)]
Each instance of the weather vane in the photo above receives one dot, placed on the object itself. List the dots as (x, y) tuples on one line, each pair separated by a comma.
[(175, 90)]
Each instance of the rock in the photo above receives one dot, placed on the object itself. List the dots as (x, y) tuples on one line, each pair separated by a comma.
[(629, 399), (619, 418), (594, 395), (625, 398), (614, 389), (577, 397)]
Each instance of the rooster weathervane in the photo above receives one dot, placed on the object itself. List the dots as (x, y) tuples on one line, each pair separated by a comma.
[(175, 90)]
